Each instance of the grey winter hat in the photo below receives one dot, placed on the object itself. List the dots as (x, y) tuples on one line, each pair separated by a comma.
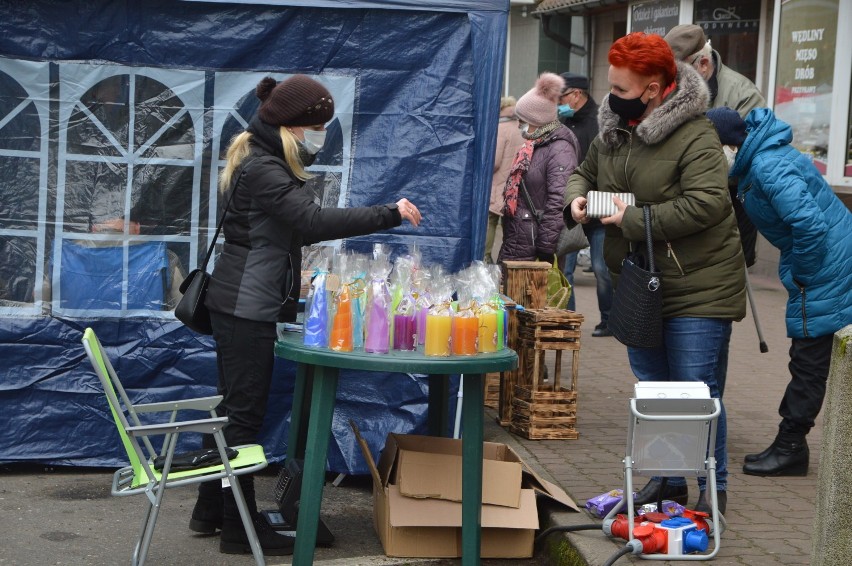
[(686, 40)]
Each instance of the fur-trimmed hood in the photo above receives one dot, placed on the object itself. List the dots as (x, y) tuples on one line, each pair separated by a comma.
[(691, 98)]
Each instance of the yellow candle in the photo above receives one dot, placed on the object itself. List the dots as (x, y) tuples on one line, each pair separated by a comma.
[(488, 332), (438, 330), (465, 335)]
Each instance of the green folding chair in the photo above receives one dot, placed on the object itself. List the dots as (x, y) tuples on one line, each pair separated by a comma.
[(142, 477)]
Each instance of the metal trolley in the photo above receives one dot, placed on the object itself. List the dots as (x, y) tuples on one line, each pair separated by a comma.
[(672, 432)]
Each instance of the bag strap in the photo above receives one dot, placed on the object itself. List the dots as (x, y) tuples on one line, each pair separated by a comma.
[(222, 219), (646, 211), (530, 204)]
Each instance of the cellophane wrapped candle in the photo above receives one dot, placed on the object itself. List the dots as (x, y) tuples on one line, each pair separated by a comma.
[(422, 302), (340, 337), (402, 304), (439, 319), (316, 319), (377, 337), (465, 329), (358, 289)]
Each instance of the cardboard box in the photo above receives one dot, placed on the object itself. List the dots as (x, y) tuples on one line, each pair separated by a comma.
[(417, 509)]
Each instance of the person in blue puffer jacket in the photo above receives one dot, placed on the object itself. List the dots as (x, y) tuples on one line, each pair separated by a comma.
[(794, 208)]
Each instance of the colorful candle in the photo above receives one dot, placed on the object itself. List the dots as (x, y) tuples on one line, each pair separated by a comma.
[(488, 331), (465, 334), (404, 331), (341, 326), (438, 332), (378, 329), (421, 325)]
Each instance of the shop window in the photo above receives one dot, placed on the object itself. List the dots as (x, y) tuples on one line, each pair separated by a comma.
[(805, 76), (732, 29)]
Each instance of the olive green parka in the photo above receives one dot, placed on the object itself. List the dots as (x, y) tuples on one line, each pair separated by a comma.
[(672, 161)]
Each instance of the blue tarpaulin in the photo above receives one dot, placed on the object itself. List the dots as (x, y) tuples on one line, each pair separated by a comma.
[(114, 118)]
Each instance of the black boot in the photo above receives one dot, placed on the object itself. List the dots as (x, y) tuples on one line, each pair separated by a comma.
[(788, 457), (208, 510), (760, 455), (233, 539), (703, 503), (651, 492)]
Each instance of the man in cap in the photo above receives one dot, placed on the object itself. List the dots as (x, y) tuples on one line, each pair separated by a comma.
[(579, 111), (727, 88)]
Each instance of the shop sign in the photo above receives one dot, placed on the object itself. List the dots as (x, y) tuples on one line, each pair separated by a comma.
[(655, 17), (719, 17)]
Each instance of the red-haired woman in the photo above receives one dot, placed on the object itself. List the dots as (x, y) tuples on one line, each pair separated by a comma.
[(655, 143)]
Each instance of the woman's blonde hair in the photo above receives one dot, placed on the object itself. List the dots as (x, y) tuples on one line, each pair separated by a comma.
[(238, 150)]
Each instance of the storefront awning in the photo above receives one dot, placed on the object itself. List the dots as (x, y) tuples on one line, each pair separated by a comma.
[(573, 7)]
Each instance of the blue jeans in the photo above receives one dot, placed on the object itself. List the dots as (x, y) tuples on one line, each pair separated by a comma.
[(568, 266), (695, 349), (595, 234)]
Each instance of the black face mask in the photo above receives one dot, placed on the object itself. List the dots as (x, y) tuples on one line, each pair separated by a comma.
[(307, 157), (628, 108)]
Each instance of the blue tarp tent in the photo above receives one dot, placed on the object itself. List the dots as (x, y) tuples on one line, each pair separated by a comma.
[(114, 117)]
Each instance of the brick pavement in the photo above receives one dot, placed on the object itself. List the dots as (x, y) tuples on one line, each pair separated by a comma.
[(770, 520)]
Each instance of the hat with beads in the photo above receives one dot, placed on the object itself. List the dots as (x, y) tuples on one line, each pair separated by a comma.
[(297, 101)]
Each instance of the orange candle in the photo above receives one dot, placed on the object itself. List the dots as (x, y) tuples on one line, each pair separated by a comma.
[(465, 335), (341, 328)]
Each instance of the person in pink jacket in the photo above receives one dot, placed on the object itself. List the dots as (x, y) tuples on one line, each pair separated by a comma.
[(509, 141)]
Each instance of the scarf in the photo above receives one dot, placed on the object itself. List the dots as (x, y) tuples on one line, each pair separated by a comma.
[(521, 164)]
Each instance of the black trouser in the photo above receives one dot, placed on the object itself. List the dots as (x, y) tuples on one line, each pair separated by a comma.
[(245, 357), (810, 359)]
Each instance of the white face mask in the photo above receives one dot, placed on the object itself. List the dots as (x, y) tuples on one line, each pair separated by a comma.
[(730, 155), (314, 140)]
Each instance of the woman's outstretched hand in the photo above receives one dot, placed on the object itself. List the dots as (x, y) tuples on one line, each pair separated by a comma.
[(408, 211)]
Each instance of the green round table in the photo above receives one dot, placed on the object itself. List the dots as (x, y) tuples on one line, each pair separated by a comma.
[(313, 406)]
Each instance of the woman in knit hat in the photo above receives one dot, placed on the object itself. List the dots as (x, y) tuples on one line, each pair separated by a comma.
[(256, 281), (654, 142), (535, 190)]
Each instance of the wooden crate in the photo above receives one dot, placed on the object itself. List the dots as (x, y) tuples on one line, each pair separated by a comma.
[(525, 283), (547, 413), (546, 409), (543, 330), (492, 390)]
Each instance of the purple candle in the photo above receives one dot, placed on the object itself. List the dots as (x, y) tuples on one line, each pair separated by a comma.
[(404, 331), (421, 325), (378, 332)]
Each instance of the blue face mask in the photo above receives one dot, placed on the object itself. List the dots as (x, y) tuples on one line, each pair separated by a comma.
[(565, 111)]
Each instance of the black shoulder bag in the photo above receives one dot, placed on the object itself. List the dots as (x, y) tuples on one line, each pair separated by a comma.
[(636, 318), (191, 309)]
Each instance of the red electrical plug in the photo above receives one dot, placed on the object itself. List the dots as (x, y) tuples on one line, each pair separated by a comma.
[(699, 518), (653, 540)]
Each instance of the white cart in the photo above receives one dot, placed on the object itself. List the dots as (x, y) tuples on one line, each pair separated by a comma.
[(672, 432)]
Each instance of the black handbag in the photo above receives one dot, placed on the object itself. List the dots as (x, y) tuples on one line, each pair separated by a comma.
[(191, 309), (636, 318)]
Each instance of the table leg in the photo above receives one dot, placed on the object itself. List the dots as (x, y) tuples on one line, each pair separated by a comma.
[(316, 454), (472, 436), (298, 414), (439, 412)]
